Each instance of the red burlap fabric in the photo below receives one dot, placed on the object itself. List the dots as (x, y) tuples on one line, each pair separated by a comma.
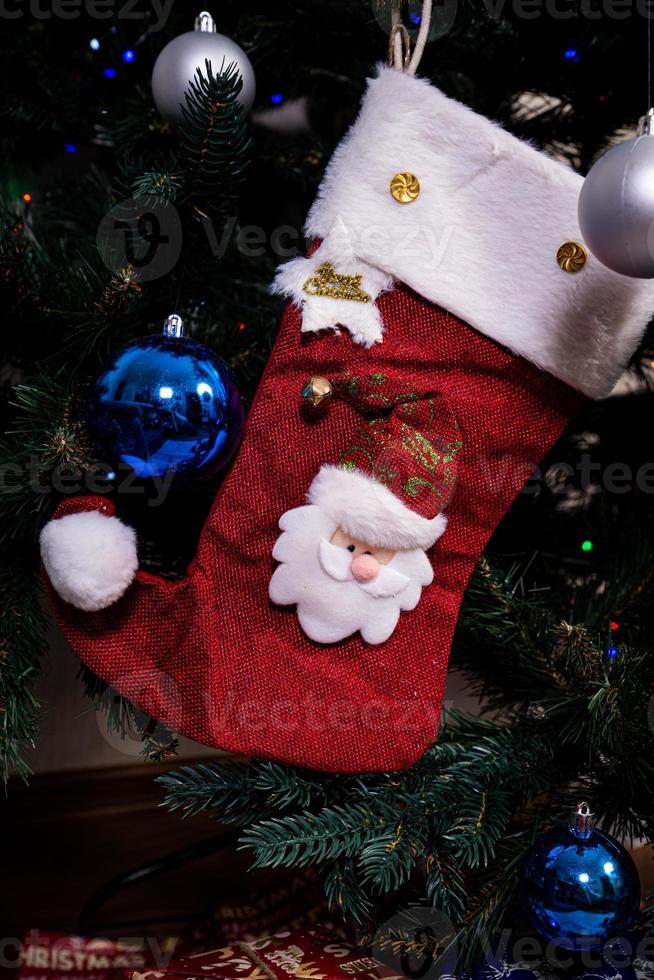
[(213, 659)]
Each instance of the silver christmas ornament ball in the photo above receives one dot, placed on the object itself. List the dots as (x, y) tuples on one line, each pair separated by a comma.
[(616, 205), (177, 64)]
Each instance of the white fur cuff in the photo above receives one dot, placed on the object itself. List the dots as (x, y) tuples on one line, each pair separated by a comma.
[(481, 238), (367, 510)]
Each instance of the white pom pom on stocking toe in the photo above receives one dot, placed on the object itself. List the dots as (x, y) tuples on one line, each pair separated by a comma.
[(90, 558)]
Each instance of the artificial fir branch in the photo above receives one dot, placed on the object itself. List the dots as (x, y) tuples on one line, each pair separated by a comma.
[(381, 830), (117, 295), (157, 183), (22, 645), (445, 886), (215, 144), (345, 892), (457, 824)]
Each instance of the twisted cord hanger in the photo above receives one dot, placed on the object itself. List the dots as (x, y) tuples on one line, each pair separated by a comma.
[(399, 46)]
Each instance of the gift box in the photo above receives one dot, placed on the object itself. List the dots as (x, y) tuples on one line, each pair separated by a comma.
[(292, 903), (303, 954), (312, 955), (54, 956), (225, 963)]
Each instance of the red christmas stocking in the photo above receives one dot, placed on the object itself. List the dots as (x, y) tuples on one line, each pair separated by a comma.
[(451, 322)]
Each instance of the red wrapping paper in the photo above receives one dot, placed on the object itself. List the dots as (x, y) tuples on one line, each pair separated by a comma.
[(53, 956), (305, 955)]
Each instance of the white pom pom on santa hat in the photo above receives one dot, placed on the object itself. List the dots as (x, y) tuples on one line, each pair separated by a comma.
[(90, 558)]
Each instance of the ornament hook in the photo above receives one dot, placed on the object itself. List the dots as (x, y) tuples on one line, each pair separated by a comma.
[(205, 22)]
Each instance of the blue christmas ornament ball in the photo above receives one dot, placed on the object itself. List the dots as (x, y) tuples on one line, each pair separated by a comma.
[(166, 407), (579, 886)]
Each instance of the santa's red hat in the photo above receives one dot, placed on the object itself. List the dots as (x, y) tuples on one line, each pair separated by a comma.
[(398, 474)]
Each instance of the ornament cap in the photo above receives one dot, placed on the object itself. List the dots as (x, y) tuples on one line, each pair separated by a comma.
[(581, 821), (205, 22), (173, 326), (646, 123)]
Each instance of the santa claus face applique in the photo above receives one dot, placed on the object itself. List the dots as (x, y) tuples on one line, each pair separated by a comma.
[(355, 557), (340, 584)]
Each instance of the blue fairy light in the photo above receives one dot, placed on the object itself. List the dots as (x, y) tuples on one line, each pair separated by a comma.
[(70, 148), (612, 653), (415, 18), (572, 54), (128, 56), (109, 73), (277, 98)]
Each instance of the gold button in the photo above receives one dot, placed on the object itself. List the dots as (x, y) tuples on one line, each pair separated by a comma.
[(317, 392), (405, 188), (572, 257)]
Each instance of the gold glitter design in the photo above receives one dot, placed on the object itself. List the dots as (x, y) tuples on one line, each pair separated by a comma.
[(327, 282)]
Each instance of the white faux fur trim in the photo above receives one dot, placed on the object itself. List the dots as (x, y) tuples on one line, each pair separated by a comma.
[(482, 236), (369, 511), (90, 558), (324, 312)]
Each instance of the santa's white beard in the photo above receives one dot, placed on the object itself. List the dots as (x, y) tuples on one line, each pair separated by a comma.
[(331, 608)]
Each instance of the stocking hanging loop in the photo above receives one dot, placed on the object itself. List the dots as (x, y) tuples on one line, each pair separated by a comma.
[(399, 48), (399, 43)]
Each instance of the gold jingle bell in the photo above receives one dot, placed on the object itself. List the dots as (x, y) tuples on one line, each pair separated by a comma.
[(317, 392)]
